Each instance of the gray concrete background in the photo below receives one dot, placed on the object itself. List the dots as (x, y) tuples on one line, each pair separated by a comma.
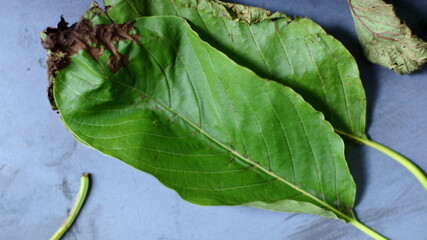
[(41, 163)]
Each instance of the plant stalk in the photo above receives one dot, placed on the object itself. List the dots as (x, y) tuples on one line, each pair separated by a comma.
[(362, 227), (84, 187), (396, 156), (366, 230)]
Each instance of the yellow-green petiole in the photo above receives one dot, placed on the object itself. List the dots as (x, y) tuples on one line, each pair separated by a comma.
[(84, 187)]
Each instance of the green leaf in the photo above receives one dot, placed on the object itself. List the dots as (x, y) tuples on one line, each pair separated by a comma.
[(385, 39), (297, 53), (155, 96)]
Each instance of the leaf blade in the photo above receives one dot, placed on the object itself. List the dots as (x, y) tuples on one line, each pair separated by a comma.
[(269, 44), (222, 157), (385, 39)]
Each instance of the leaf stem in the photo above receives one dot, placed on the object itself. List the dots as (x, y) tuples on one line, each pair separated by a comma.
[(366, 230), (387, 151), (362, 227), (84, 187)]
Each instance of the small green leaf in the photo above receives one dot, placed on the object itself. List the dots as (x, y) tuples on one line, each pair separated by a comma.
[(385, 39)]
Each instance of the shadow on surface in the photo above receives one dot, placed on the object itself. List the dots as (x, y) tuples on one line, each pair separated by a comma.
[(413, 13), (356, 161)]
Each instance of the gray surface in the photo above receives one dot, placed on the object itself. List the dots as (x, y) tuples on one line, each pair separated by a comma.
[(41, 163)]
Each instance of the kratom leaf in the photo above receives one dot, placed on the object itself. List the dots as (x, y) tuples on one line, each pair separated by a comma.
[(385, 39), (297, 53), (154, 95)]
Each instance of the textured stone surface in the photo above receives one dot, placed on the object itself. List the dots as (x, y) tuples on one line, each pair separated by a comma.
[(41, 163)]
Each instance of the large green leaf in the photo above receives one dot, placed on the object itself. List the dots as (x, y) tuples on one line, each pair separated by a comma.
[(295, 52), (157, 97), (385, 39)]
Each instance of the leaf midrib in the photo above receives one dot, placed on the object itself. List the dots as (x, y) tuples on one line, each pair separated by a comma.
[(238, 155), (235, 153)]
